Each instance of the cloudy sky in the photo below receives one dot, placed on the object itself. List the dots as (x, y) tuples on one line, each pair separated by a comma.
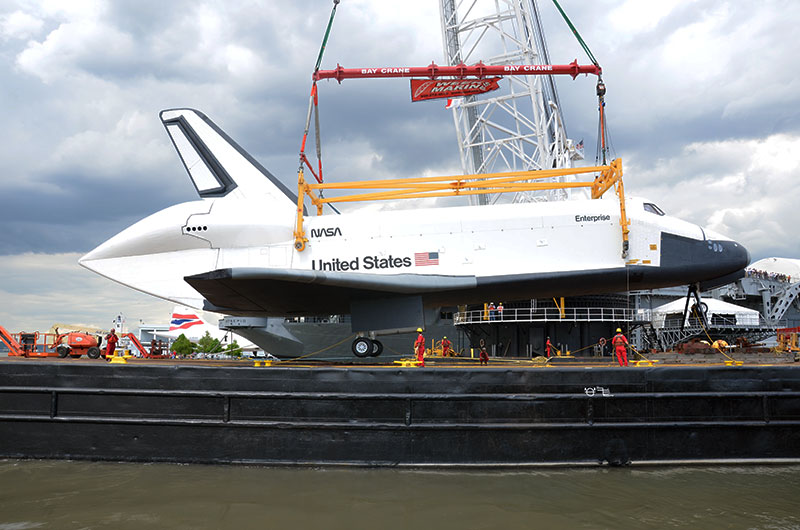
[(703, 102)]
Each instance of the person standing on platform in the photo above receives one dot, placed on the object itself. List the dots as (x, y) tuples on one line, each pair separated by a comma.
[(620, 347), (500, 310), (547, 347), (111, 343), (446, 344), (419, 347), (492, 311)]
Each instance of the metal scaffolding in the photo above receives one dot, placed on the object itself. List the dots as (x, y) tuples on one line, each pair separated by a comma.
[(520, 126)]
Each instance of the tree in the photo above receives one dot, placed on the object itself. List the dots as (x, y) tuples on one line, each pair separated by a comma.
[(182, 345), (208, 344), (233, 349)]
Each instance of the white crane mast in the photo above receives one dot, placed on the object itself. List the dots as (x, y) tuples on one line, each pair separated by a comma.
[(520, 126)]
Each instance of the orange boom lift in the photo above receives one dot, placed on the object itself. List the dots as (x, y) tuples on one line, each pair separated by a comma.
[(35, 344)]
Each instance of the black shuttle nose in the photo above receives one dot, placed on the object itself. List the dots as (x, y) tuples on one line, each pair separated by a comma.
[(741, 256), (728, 256), (710, 262), (727, 262)]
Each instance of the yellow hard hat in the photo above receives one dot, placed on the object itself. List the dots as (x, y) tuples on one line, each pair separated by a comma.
[(419, 329), (445, 336), (619, 330)]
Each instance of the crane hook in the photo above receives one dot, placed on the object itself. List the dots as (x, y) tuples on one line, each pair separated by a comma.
[(601, 88)]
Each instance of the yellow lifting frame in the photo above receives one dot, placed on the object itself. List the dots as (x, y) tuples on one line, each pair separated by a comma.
[(425, 187)]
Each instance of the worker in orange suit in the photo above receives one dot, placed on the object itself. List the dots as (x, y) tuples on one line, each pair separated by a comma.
[(419, 347), (111, 343), (547, 348), (620, 347), (446, 344)]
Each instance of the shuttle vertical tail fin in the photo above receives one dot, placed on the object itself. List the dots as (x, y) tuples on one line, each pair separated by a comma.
[(216, 164), (188, 322), (184, 318)]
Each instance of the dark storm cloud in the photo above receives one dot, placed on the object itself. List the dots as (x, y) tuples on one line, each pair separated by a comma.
[(406, 136), (99, 173), (48, 237), (658, 105), (83, 214)]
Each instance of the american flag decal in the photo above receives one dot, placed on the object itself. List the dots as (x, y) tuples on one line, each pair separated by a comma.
[(426, 258)]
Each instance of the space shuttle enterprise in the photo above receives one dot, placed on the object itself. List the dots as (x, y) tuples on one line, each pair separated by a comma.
[(236, 251)]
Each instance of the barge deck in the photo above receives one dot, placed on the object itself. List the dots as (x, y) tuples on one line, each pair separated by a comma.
[(456, 415)]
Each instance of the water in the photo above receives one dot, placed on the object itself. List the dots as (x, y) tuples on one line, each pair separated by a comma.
[(86, 495)]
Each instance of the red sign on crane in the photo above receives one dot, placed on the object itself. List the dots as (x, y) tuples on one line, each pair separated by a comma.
[(423, 89)]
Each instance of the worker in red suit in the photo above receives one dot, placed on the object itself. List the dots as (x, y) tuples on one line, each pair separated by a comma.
[(446, 344), (547, 347), (111, 343), (484, 357), (620, 347), (419, 347)]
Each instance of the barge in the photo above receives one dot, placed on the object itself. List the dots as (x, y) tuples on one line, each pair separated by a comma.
[(458, 414)]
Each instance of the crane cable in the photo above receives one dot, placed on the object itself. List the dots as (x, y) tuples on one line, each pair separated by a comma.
[(577, 35), (326, 348), (313, 104), (325, 38), (602, 133), (696, 312)]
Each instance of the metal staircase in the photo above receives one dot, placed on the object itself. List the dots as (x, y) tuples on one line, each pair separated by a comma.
[(785, 299), (651, 336)]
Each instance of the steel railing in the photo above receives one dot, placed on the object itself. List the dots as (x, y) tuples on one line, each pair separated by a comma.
[(716, 320), (552, 314)]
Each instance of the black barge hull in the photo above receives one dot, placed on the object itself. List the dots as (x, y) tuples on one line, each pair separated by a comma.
[(385, 416)]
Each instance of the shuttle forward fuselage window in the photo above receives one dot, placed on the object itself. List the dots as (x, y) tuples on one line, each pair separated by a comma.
[(652, 208)]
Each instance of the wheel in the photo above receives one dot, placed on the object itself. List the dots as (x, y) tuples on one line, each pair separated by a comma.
[(62, 351), (362, 347), (93, 352), (377, 348)]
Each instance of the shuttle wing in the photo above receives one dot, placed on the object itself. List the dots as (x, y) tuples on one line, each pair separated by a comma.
[(288, 291)]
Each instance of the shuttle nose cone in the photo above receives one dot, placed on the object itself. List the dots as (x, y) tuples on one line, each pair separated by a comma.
[(732, 255), (712, 262), (742, 256), (158, 233), (726, 260)]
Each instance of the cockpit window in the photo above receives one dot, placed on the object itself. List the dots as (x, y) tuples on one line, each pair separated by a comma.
[(652, 208)]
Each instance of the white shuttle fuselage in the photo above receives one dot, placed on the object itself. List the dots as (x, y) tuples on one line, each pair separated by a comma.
[(233, 251)]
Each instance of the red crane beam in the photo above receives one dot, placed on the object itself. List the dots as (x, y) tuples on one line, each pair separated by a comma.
[(479, 70)]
